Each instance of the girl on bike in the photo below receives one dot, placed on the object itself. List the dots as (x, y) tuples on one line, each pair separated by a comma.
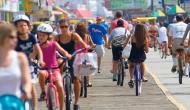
[(14, 69), (81, 29), (139, 42), (49, 55)]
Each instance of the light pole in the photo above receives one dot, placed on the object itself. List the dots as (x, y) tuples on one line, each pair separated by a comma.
[(164, 6)]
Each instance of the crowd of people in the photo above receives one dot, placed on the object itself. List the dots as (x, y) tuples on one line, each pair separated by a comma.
[(19, 48)]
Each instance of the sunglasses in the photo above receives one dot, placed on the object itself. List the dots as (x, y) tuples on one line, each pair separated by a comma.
[(12, 37), (64, 26)]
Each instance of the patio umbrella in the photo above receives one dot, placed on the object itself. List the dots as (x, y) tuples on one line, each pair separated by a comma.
[(175, 9), (158, 13)]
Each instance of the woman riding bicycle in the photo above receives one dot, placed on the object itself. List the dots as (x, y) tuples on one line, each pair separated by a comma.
[(139, 42), (68, 40), (49, 55), (14, 69)]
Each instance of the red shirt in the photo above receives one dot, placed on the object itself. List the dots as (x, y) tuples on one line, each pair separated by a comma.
[(114, 23)]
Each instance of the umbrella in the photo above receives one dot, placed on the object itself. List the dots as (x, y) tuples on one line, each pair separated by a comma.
[(158, 13), (175, 9)]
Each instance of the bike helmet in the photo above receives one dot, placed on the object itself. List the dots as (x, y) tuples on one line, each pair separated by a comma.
[(46, 28), (21, 18)]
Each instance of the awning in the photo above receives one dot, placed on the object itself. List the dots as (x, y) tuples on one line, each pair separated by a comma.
[(82, 13), (175, 9), (158, 13)]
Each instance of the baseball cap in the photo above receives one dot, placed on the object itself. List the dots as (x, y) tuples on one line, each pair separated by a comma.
[(99, 18)]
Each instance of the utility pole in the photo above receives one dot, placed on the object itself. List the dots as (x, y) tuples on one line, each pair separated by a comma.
[(152, 5), (164, 6)]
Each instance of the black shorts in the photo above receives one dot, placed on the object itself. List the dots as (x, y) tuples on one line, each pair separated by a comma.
[(117, 52)]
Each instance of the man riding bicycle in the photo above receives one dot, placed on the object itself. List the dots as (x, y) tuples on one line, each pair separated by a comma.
[(177, 31), (118, 35)]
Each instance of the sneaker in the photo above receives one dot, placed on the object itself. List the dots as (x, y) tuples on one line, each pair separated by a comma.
[(76, 107), (126, 65), (114, 78), (174, 68), (99, 70), (131, 84), (42, 96)]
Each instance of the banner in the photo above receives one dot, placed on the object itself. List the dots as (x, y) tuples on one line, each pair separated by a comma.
[(171, 2), (129, 4)]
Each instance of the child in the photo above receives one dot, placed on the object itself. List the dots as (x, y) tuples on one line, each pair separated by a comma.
[(49, 55)]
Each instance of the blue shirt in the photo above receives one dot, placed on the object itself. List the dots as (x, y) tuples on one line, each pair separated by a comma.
[(106, 25), (97, 33)]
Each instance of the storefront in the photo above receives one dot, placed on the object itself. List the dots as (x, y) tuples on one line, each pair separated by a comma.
[(8, 8)]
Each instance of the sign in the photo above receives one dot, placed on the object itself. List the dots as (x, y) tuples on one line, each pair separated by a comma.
[(171, 2), (128, 4), (27, 6)]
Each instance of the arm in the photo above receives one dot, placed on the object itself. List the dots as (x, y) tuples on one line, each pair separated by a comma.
[(146, 48), (91, 43), (26, 81), (78, 39), (186, 32), (39, 53), (62, 51)]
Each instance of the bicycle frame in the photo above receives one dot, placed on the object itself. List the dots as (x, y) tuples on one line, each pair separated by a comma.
[(51, 84), (138, 78), (180, 59), (121, 75)]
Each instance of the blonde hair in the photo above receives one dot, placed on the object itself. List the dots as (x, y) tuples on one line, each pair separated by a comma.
[(5, 32)]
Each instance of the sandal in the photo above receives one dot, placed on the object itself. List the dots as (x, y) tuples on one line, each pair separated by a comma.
[(89, 85), (145, 80), (131, 84)]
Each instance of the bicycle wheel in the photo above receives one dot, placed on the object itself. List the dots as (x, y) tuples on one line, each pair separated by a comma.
[(180, 71), (85, 86), (136, 81), (51, 99), (122, 73), (118, 75), (68, 93), (81, 89)]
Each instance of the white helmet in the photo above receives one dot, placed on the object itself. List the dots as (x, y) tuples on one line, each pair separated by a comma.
[(20, 18), (46, 28)]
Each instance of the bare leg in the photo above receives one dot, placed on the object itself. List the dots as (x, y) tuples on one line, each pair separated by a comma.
[(60, 91), (114, 66), (42, 80), (77, 88), (131, 70), (34, 97)]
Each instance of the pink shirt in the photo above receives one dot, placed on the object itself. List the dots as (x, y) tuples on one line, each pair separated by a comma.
[(114, 23), (79, 45), (49, 55)]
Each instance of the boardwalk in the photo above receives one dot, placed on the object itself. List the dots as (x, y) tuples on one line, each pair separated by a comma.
[(105, 95)]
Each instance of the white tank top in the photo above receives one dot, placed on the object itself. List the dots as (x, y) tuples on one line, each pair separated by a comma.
[(10, 77)]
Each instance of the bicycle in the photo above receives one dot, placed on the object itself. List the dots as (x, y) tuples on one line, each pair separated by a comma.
[(52, 94), (121, 72), (67, 79), (180, 61), (137, 78)]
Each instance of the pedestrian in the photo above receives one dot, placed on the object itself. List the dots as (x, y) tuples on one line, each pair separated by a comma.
[(118, 16), (98, 33), (14, 69)]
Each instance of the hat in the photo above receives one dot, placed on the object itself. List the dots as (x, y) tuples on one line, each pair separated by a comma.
[(99, 18)]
